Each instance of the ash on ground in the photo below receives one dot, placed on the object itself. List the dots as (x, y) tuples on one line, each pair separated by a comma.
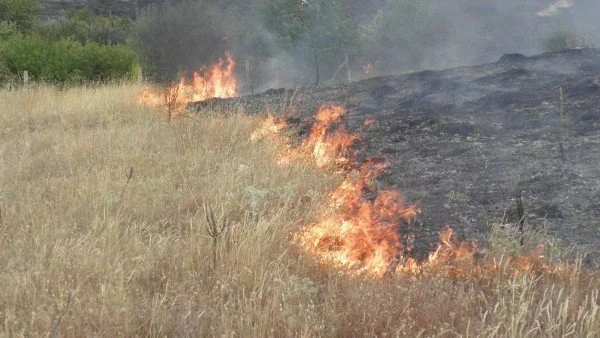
[(464, 142)]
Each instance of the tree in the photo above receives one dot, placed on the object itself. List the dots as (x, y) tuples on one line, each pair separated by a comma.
[(182, 35), (304, 28), (20, 12), (402, 32)]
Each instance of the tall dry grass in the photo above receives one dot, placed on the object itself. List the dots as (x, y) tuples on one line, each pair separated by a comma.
[(85, 251)]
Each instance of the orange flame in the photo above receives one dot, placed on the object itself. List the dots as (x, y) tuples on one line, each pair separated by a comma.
[(269, 129), (217, 80), (361, 231), (328, 144), (327, 147), (362, 235)]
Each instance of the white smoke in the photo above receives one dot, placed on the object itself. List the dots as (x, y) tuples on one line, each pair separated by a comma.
[(555, 8)]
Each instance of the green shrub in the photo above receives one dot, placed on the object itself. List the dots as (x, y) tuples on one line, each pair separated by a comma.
[(83, 26), (6, 76), (289, 20), (319, 24), (21, 12), (7, 28), (559, 40), (304, 29), (181, 35), (108, 62), (402, 32), (184, 35), (67, 61)]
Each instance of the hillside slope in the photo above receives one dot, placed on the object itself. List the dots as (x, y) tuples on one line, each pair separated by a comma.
[(464, 142)]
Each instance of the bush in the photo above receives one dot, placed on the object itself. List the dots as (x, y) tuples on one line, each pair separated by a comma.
[(304, 29), (20, 12), (83, 26), (402, 32), (181, 35), (559, 40), (75, 49), (184, 35), (7, 28), (67, 61), (6, 76)]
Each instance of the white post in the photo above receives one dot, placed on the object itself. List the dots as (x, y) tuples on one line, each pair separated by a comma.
[(25, 78), (140, 75)]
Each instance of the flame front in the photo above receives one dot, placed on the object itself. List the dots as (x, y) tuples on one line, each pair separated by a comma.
[(217, 80), (328, 144), (269, 129), (327, 147), (360, 232)]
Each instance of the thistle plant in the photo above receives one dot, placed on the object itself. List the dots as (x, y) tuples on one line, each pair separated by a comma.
[(128, 176), (171, 100), (214, 229), (521, 217), (561, 110)]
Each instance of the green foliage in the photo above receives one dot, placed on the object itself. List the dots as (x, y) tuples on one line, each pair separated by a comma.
[(288, 20), (21, 12), (83, 26), (246, 35), (6, 76), (181, 35), (559, 40), (175, 36), (7, 28), (305, 28), (402, 32), (67, 61), (329, 29), (75, 49), (319, 24)]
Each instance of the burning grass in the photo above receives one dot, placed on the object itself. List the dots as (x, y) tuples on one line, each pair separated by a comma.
[(83, 252), (361, 231), (216, 80)]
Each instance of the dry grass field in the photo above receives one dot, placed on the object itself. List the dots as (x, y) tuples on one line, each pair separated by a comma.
[(103, 232)]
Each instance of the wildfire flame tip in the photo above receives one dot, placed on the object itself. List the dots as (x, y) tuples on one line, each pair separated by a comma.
[(216, 80)]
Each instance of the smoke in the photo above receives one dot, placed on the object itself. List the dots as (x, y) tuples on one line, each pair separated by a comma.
[(281, 43), (481, 31), (555, 8)]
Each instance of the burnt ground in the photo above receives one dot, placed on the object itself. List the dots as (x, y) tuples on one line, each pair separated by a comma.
[(463, 142)]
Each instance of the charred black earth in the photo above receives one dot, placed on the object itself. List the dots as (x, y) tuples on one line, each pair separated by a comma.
[(464, 142)]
